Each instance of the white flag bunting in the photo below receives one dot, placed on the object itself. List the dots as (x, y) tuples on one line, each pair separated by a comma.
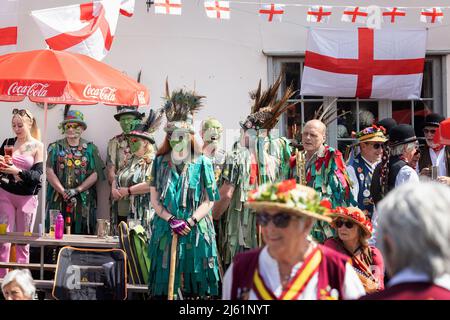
[(355, 15), (390, 15), (168, 7), (270, 11), (319, 14), (217, 9), (432, 15)]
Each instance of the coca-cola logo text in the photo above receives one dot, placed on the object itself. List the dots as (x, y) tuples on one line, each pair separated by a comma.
[(104, 94), (35, 90)]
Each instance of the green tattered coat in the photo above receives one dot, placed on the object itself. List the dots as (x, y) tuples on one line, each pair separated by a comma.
[(272, 158), (72, 168), (181, 193)]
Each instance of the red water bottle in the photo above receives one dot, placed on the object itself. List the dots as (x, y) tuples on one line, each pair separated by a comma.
[(59, 226)]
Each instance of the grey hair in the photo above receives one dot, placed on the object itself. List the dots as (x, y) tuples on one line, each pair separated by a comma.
[(23, 278), (415, 216), (399, 150)]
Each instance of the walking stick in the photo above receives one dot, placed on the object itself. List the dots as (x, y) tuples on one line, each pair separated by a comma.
[(173, 262)]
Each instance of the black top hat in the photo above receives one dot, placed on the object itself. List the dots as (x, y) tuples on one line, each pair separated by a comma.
[(433, 120), (388, 124), (121, 110), (402, 134)]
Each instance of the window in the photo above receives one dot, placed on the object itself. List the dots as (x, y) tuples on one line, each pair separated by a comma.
[(356, 114)]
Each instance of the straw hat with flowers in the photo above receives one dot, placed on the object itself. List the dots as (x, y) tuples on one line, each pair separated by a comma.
[(290, 197), (355, 215)]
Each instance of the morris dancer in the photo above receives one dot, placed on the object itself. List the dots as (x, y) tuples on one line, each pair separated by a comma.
[(183, 191), (73, 168), (258, 157), (118, 155)]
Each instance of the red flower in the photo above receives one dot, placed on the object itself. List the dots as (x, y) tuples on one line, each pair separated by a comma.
[(326, 203), (287, 185)]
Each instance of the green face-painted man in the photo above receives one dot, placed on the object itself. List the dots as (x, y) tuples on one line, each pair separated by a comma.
[(135, 144), (212, 131), (128, 122), (179, 140)]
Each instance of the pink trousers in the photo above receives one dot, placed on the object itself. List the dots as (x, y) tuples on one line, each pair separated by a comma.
[(17, 212)]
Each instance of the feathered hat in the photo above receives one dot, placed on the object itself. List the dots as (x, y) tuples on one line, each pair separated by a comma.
[(147, 127), (267, 109), (179, 108)]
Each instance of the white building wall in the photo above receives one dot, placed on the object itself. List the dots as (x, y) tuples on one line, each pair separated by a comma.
[(223, 60)]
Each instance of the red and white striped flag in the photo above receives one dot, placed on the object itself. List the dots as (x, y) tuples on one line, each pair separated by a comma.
[(355, 15), (8, 25), (217, 9), (390, 15), (127, 7), (319, 14), (270, 11), (432, 15), (168, 7), (86, 28)]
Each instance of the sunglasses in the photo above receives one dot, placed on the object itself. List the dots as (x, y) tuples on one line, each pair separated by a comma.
[(432, 131), (376, 146), (22, 113), (71, 125), (348, 224), (279, 220)]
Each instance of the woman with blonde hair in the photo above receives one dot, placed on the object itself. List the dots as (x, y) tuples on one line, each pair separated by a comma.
[(21, 168), (353, 231)]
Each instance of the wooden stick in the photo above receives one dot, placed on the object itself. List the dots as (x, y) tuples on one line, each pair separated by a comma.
[(173, 262)]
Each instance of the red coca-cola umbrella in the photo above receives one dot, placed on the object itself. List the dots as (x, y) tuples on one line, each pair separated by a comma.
[(60, 77), (66, 78)]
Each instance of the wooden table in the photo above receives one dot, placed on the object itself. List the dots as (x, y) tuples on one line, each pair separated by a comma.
[(74, 240)]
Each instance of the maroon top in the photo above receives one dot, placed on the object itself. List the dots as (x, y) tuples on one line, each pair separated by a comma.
[(331, 273), (411, 291), (377, 258)]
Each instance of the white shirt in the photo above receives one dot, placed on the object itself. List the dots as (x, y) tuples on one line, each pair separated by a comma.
[(268, 268), (442, 170), (409, 275), (406, 174)]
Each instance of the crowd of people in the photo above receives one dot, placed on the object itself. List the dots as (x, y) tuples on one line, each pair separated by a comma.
[(286, 220)]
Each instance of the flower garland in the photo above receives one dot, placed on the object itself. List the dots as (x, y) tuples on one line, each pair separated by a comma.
[(289, 193)]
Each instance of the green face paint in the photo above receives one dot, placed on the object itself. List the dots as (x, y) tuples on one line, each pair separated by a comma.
[(179, 143), (127, 122), (212, 131), (135, 144)]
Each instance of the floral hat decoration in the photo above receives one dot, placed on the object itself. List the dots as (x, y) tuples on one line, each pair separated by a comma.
[(374, 133), (354, 214), (288, 196)]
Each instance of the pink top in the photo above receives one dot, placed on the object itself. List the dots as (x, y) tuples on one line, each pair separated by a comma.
[(24, 162)]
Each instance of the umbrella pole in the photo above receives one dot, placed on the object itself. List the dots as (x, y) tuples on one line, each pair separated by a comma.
[(44, 181)]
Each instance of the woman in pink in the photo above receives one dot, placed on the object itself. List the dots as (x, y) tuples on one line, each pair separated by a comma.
[(21, 168), (353, 230)]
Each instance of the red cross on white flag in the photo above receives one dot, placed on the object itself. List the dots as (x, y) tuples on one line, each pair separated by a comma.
[(86, 28), (8, 25), (432, 15), (319, 14), (168, 7), (217, 9), (127, 7), (270, 11), (364, 63), (390, 14), (355, 15)]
